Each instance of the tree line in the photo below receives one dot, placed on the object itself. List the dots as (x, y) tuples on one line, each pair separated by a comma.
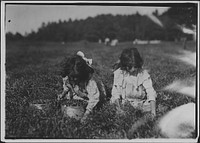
[(121, 27)]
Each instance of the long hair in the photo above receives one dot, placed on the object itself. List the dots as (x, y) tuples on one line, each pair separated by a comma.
[(77, 70), (129, 58)]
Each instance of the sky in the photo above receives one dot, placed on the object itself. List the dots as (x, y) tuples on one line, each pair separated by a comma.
[(27, 18)]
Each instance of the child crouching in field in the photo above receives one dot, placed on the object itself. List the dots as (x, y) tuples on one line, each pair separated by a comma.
[(132, 84), (78, 83)]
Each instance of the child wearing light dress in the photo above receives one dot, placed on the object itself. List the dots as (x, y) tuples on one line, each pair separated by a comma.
[(132, 84)]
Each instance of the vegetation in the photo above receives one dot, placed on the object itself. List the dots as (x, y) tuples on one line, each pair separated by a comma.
[(32, 76)]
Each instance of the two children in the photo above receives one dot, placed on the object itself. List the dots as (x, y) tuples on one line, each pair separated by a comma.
[(132, 85)]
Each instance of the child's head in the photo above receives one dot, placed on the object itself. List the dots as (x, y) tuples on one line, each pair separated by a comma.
[(76, 68), (130, 60)]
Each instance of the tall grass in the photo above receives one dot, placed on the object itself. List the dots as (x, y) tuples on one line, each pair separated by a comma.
[(32, 71)]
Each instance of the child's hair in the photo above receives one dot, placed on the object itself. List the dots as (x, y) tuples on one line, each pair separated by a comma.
[(129, 58), (75, 67)]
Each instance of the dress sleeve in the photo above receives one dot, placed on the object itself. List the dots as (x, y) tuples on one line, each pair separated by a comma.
[(148, 85), (117, 86), (93, 95)]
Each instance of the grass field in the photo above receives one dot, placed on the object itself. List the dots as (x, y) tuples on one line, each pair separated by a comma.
[(32, 75)]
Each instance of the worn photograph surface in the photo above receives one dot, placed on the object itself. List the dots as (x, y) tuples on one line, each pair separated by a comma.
[(111, 71)]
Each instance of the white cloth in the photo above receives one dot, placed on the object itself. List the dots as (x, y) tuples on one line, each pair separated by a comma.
[(88, 61)]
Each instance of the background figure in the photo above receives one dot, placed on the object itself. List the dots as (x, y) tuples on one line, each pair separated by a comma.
[(107, 40)]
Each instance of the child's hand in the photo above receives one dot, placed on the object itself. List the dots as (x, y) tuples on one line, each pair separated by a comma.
[(83, 119), (60, 96), (150, 116), (120, 111), (76, 89), (153, 114)]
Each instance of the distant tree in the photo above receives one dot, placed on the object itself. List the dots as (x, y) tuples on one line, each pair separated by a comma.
[(178, 16), (122, 27), (14, 37), (183, 15), (10, 36), (31, 36)]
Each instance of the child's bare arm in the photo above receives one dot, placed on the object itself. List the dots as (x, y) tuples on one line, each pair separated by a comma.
[(118, 103), (151, 93), (80, 93), (63, 94), (93, 98), (153, 107), (66, 88)]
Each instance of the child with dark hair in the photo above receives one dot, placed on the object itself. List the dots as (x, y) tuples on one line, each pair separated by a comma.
[(78, 83), (132, 84)]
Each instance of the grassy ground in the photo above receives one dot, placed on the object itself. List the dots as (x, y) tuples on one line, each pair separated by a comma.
[(32, 76)]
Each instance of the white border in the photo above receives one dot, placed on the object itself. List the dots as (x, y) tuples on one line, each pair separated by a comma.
[(3, 53), (198, 54), (3, 76), (112, 2), (108, 140)]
